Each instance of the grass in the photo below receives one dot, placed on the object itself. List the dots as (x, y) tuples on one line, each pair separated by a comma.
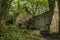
[(15, 33)]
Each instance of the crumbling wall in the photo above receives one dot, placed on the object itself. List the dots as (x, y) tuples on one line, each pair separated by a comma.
[(43, 21), (22, 19)]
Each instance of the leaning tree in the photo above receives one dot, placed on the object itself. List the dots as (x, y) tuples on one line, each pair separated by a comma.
[(54, 26)]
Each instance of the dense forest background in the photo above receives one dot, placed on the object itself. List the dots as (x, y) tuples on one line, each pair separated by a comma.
[(29, 19)]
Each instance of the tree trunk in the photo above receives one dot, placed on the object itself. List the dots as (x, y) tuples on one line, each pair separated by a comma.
[(59, 14), (54, 27), (2, 21), (4, 9)]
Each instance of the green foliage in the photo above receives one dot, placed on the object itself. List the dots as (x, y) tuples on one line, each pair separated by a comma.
[(35, 7), (14, 33), (4, 6), (27, 8)]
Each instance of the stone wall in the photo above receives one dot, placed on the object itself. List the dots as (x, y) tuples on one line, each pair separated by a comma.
[(43, 21)]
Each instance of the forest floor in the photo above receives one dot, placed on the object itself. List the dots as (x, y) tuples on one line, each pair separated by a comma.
[(16, 33), (51, 38)]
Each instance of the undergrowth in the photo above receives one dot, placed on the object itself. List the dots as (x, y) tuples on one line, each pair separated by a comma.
[(15, 33)]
